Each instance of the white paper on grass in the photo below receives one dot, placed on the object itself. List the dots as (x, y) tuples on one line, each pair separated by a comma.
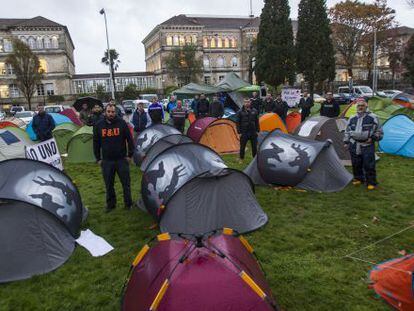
[(307, 128), (95, 244)]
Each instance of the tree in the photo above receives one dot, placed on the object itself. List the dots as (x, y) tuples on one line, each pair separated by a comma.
[(131, 92), (100, 92), (315, 56), (408, 60), (184, 65), (26, 67), (353, 26), (275, 50), (114, 63)]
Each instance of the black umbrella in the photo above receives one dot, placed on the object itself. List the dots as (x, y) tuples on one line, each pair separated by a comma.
[(91, 101)]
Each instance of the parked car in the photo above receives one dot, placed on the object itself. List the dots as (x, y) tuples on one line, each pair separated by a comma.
[(128, 105), (344, 98), (391, 93), (54, 108), (15, 109), (359, 90), (147, 97), (25, 116)]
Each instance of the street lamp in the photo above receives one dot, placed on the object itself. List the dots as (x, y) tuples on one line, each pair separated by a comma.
[(111, 83)]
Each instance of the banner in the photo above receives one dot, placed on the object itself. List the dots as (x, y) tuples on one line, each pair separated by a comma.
[(46, 151), (291, 97)]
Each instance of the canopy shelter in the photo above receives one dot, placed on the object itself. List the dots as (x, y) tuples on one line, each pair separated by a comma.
[(287, 160), (57, 117), (13, 141), (197, 89), (147, 138), (398, 136), (40, 217), (90, 101), (62, 134), (213, 272), (232, 82), (323, 128), (218, 134), (393, 281), (270, 122), (80, 146), (189, 189), (72, 115)]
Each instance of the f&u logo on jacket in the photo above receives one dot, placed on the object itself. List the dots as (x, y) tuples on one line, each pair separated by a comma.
[(110, 132)]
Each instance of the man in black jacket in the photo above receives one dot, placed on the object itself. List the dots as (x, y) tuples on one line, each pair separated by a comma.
[(247, 127), (203, 107), (256, 102), (43, 124), (269, 104), (330, 108), (281, 108), (111, 136), (305, 103), (139, 120), (216, 109), (179, 114)]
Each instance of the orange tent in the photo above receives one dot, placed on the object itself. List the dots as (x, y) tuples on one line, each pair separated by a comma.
[(270, 122), (293, 120), (4, 124), (393, 281), (218, 134), (191, 117)]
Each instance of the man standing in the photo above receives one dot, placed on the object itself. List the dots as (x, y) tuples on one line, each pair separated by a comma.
[(179, 114), (155, 111), (281, 108), (247, 127), (305, 103), (203, 107), (216, 109), (113, 148), (194, 104), (43, 124), (139, 120), (269, 104), (256, 102), (171, 104), (84, 114), (95, 116), (361, 133), (330, 108)]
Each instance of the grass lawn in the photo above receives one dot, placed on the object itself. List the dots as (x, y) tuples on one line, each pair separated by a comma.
[(301, 248)]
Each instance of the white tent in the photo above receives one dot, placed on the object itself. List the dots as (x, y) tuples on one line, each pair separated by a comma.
[(12, 143)]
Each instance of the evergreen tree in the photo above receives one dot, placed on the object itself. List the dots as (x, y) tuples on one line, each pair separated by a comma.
[(408, 60), (275, 50), (315, 56)]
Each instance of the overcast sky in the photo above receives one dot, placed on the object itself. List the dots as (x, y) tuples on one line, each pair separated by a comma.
[(129, 21)]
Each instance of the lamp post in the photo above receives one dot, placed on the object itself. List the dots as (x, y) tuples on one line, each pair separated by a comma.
[(374, 73), (111, 82)]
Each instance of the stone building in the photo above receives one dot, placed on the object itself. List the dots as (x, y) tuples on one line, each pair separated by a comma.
[(52, 43)]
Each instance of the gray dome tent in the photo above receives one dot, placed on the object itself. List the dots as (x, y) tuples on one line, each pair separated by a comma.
[(149, 137), (40, 217), (287, 160), (321, 129), (190, 190)]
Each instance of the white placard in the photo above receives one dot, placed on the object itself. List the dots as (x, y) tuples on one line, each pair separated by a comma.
[(291, 97), (46, 151), (95, 244), (307, 128)]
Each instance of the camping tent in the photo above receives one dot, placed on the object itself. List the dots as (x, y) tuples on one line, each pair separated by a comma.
[(232, 82), (12, 143), (40, 217), (194, 89), (323, 128), (404, 99), (218, 134), (287, 160), (190, 190), (147, 138), (384, 108), (217, 272), (270, 122), (72, 115), (393, 280), (4, 124), (16, 122), (63, 133), (80, 146), (57, 117), (398, 136), (293, 120)]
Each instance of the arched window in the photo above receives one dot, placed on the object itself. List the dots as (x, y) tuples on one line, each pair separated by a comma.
[(235, 61), (219, 42), (42, 65), (169, 40), (55, 43), (8, 46), (188, 40), (213, 43), (32, 43), (205, 42), (226, 43), (206, 62), (46, 43), (220, 61), (194, 39), (23, 39), (39, 43), (182, 40), (233, 43), (175, 40)]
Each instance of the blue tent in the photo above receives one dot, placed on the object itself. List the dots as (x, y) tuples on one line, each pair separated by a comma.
[(398, 136), (57, 117)]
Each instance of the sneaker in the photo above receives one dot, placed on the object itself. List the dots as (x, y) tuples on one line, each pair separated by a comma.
[(371, 187), (356, 182)]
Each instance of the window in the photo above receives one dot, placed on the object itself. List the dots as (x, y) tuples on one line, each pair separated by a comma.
[(207, 80), (42, 65), (206, 62), (8, 47), (46, 42), (226, 43), (169, 40), (32, 43), (194, 39), (175, 40), (14, 90), (50, 89), (233, 43), (55, 43), (2, 68), (40, 90), (9, 69), (1, 45), (235, 61), (219, 43), (220, 61), (39, 43), (221, 78), (213, 43), (23, 39), (4, 91), (188, 40), (182, 40), (205, 42)]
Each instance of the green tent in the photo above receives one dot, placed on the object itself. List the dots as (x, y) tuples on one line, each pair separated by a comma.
[(315, 109), (231, 82), (384, 108), (80, 146), (63, 133), (194, 88)]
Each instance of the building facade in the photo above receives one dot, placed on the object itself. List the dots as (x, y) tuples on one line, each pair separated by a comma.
[(52, 43), (88, 83)]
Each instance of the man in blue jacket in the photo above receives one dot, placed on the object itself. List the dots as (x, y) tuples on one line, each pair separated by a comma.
[(43, 124), (171, 104), (361, 133), (139, 120), (156, 111)]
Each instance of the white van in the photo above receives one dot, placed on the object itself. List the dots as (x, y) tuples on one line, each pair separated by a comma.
[(361, 90)]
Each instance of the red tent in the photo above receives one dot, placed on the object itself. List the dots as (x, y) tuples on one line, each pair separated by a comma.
[(211, 273), (393, 281), (72, 115), (293, 120), (4, 124)]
